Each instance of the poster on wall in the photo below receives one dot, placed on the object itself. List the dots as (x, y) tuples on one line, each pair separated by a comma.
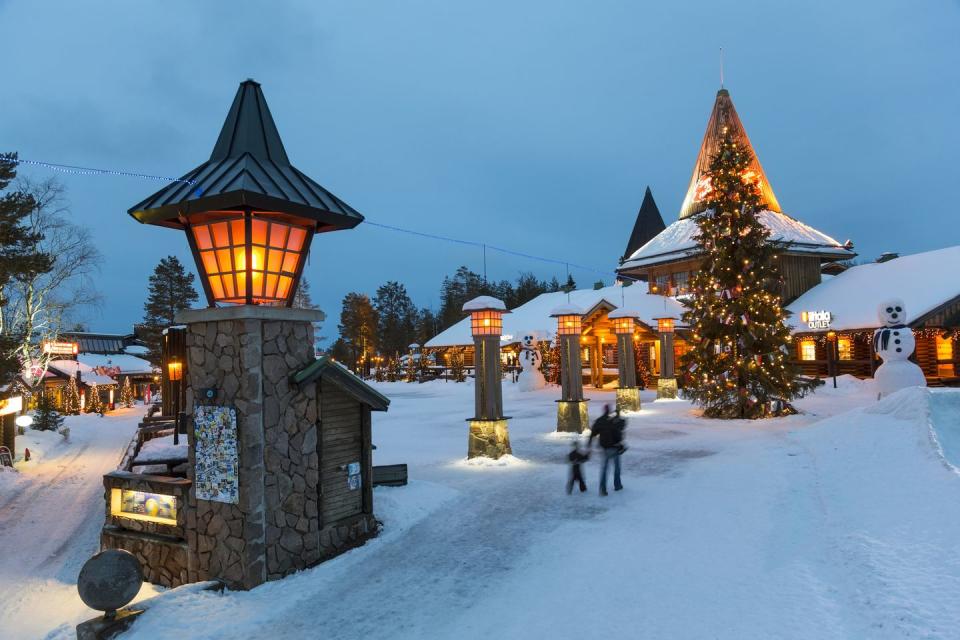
[(215, 444), (353, 476)]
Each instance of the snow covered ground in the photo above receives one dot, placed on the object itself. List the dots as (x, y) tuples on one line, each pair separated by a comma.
[(51, 513), (841, 522)]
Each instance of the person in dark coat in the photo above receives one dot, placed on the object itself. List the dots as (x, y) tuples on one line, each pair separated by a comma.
[(608, 430), (577, 457)]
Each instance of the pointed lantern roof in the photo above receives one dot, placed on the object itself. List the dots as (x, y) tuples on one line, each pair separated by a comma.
[(723, 115), (649, 223), (248, 168)]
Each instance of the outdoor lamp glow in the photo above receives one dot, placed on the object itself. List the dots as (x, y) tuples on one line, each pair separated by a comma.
[(251, 258), (175, 370), (665, 325), (569, 320), (486, 315), (24, 421)]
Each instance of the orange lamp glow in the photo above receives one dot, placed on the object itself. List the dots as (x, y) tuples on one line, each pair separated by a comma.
[(665, 325), (249, 257), (569, 325), (175, 370), (487, 322), (623, 326)]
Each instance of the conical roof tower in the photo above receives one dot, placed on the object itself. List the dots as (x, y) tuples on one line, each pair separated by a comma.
[(649, 223), (723, 116)]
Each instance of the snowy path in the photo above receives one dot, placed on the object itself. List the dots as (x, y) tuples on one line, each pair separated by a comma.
[(50, 522)]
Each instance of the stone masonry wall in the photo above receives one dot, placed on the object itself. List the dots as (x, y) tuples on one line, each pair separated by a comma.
[(274, 528)]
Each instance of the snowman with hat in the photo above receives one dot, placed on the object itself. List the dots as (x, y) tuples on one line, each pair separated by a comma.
[(894, 342)]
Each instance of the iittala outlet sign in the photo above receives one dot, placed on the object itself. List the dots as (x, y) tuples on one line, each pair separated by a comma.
[(817, 319)]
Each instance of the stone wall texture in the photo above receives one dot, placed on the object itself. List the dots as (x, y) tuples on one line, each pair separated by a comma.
[(165, 561)]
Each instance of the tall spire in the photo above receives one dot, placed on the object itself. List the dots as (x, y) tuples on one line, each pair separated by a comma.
[(724, 115), (649, 223), (249, 128)]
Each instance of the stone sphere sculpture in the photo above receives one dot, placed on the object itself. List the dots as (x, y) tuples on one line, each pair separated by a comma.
[(110, 580)]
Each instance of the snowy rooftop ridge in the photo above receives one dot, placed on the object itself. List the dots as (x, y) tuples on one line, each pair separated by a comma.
[(924, 281), (482, 303), (535, 315), (677, 240)]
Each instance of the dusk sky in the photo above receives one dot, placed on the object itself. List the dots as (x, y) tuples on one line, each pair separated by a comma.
[(535, 126)]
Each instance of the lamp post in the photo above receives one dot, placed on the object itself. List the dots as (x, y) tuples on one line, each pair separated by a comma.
[(489, 436), (175, 376), (571, 407), (624, 325), (667, 383), (833, 356)]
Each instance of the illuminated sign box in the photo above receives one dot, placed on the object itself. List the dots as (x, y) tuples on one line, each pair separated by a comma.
[(143, 505), (61, 348), (816, 319)]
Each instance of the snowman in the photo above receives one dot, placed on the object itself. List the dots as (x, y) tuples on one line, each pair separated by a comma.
[(531, 378), (894, 342)]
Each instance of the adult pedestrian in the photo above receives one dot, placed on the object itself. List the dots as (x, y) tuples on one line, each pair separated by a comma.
[(608, 430)]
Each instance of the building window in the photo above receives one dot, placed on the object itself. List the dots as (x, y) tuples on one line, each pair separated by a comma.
[(845, 348), (945, 352), (681, 282), (662, 284), (808, 350)]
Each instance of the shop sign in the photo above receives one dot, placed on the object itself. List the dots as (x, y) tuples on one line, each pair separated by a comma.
[(817, 319), (60, 348)]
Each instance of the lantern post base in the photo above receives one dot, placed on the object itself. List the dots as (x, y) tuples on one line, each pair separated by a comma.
[(488, 439), (572, 416), (666, 389), (628, 399)]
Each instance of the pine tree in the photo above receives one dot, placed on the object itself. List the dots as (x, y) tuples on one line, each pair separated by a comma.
[(640, 358), (46, 418), (94, 405), (737, 367), (71, 398), (171, 291), (358, 328), (457, 368), (411, 367), (396, 318), (126, 393)]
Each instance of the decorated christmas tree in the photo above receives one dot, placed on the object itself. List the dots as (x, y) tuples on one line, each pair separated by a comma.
[(126, 394), (737, 367), (94, 405), (71, 398), (411, 367), (46, 417), (641, 355), (457, 369)]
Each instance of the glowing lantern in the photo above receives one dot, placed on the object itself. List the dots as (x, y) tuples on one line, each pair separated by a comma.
[(569, 320), (486, 316), (665, 325), (175, 370)]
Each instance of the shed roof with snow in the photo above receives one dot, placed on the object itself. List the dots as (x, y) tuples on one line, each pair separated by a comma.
[(926, 282), (535, 315)]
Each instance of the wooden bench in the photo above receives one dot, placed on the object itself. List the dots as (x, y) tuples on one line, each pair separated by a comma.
[(390, 475)]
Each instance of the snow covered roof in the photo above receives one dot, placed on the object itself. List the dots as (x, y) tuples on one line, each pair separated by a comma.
[(676, 241), (137, 349), (127, 363), (566, 309), (481, 303), (924, 281), (87, 376), (535, 315), (624, 312)]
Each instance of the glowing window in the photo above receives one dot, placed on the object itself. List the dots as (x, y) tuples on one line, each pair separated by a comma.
[(808, 350), (945, 352), (142, 505), (845, 348)]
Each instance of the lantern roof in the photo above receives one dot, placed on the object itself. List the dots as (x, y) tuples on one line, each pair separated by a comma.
[(624, 313), (485, 303), (723, 117), (567, 309), (649, 223), (248, 168)]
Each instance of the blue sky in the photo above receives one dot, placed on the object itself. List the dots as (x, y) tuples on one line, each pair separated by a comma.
[(533, 125)]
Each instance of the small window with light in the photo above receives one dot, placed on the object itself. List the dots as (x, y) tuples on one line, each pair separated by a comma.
[(808, 350), (845, 348)]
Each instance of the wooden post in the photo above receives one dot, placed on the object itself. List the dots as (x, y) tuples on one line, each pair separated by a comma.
[(571, 408)]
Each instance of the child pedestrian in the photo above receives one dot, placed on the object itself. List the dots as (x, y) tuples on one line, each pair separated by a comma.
[(577, 457)]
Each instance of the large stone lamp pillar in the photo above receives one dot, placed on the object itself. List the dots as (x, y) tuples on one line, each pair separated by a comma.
[(489, 436), (667, 384), (571, 407), (628, 394)]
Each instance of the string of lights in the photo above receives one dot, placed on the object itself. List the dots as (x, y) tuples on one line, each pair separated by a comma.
[(90, 171)]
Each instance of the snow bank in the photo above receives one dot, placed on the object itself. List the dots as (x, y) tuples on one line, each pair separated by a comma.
[(163, 449)]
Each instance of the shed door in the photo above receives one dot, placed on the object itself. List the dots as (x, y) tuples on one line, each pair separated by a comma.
[(341, 445)]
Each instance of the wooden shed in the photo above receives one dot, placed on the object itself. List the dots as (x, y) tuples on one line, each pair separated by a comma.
[(345, 403)]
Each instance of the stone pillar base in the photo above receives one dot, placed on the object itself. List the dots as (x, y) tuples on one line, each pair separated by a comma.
[(572, 416), (628, 399), (488, 439), (666, 388)]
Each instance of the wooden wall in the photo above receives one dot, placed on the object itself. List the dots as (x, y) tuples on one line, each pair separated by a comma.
[(800, 273), (344, 438)]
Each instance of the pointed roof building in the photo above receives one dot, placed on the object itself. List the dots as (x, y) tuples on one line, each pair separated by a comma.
[(649, 223), (723, 118), (249, 167)]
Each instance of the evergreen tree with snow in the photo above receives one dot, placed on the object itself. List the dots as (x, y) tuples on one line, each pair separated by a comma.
[(737, 366), (171, 290), (46, 417), (71, 398), (94, 405), (126, 393)]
